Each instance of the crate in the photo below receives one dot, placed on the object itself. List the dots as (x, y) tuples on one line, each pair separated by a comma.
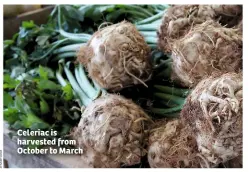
[(39, 16)]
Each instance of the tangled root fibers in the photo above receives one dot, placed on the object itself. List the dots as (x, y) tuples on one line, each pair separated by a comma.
[(172, 146), (111, 132), (117, 56), (207, 48), (214, 112)]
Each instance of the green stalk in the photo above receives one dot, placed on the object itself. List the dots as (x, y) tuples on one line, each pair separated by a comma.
[(61, 80), (98, 88), (163, 7), (64, 55), (157, 22), (140, 9), (83, 97), (76, 36), (147, 27), (173, 90), (137, 13), (72, 47), (73, 36), (167, 112), (148, 34), (55, 45), (150, 40), (173, 98), (151, 19), (84, 83), (168, 103)]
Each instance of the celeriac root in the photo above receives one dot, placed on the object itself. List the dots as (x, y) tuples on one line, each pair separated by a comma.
[(171, 145), (207, 48), (117, 56), (214, 112), (180, 19), (111, 132)]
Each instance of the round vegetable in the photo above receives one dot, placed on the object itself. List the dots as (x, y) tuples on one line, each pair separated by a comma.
[(180, 19), (111, 132), (117, 56), (214, 112), (177, 22), (172, 146), (208, 48)]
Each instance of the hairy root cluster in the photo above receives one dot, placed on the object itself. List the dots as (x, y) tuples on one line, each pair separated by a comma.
[(228, 15), (111, 132), (178, 20), (117, 56), (207, 48), (214, 112), (171, 145)]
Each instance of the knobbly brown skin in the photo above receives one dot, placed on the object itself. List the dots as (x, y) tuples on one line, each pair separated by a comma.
[(207, 48), (111, 132), (117, 56), (178, 20), (228, 10), (228, 15), (214, 112), (171, 145)]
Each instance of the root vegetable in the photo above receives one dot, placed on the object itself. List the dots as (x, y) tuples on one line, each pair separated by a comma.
[(214, 112), (111, 129), (207, 48), (180, 19), (172, 146), (228, 15), (117, 56), (177, 22), (111, 132), (228, 10)]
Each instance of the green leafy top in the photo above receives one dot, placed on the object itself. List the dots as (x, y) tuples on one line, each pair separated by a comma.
[(36, 101)]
